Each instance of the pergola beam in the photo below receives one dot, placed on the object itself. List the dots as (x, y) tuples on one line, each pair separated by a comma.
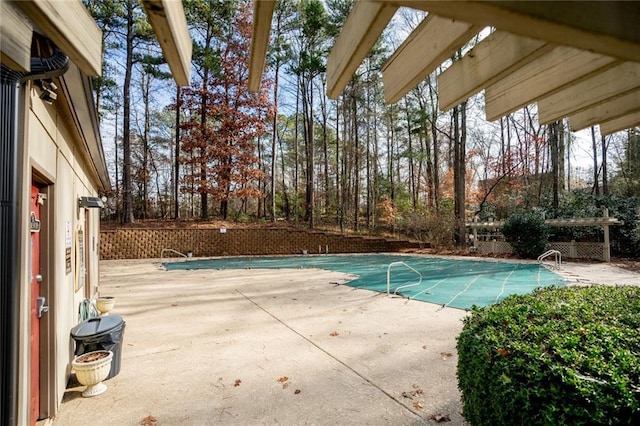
[(15, 42), (262, 16), (606, 27), (620, 123), (363, 26), (170, 26), (435, 40), (560, 67), (493, 58), (71, 28), (589, 92), (623, 105)]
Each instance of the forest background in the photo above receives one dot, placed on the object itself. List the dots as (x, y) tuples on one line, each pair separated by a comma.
[(215, 151)]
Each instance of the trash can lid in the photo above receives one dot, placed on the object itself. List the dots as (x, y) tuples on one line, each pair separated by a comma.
[(97, 325)]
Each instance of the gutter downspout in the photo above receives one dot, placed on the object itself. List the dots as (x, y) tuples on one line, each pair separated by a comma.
[(11, 83)]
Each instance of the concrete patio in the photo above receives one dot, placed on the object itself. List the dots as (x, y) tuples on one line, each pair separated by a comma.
[(277, 347)]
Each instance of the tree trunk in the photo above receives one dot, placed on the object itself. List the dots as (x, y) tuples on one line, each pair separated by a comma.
[(176, 179), (356, 174), (127, 205), (436, 152), (307, 111), (339, 217), (204, 199), (369, 126), (460, 136), (296, 142), (596, 186), (412, 177), (117, 165), (605, 180), (146, 83), (555, 160), (427, 148)]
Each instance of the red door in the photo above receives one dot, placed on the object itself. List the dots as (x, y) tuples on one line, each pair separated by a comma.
[(35, 315)]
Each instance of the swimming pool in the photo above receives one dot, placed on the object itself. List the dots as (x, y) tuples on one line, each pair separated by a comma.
[(458, 283)]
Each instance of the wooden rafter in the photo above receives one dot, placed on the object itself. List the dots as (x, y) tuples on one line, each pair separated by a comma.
[(558, 68), (539, 49), (620, 123), (589, 92), (623, 105), (490, 60), (435, 40), (606, 27), (15, 42), (363, 26), (71, 28), (170, 26), (262, 16)]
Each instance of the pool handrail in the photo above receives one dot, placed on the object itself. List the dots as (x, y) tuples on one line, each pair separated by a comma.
[(557, 258), (172, 251), (402, 286)]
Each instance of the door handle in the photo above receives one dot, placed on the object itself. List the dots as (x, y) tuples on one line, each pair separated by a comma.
[(40, 304)]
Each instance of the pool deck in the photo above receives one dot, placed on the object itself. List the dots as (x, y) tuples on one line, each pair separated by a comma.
[(244, 347)]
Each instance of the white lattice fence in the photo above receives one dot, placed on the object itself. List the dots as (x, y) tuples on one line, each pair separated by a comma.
[(500, 247), (579, 250), (569, 249)]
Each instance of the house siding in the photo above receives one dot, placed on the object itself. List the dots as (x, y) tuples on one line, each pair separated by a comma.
[(55, 156)]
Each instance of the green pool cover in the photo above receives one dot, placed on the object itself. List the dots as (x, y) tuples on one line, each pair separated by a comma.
[(450, 282)]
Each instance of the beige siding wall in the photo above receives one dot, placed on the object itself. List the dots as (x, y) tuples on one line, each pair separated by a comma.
[(53, 154)]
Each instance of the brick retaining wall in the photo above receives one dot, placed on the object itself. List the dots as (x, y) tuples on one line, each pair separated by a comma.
[(148, 243)]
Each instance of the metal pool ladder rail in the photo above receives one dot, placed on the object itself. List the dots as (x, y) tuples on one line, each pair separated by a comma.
[(164, 250), (403, 286), (557, 258)]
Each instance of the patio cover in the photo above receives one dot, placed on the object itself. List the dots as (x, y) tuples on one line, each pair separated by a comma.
[(579, 60)]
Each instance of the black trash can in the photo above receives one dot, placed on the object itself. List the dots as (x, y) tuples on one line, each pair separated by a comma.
[(101, 333)]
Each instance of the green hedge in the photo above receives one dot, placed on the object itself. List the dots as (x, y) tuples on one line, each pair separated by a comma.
[(557, 356), (527, 233)]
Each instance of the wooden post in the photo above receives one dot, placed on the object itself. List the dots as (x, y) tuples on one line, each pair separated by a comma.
[(606, 253), (475, 233)]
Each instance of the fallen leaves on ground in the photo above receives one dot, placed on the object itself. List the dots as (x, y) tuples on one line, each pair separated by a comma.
[(149, 421), (413, 393), (417, 405), (446, 355), (297, 391), (237, 383), (334, 334), (440, 418), (284, 381)]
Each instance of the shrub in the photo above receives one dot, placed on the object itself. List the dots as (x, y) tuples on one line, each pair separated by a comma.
[(558, 356), (436, 228), (527, 234)]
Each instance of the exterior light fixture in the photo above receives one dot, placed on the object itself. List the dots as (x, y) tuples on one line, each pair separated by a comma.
[(47, 90), (90, 202)]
